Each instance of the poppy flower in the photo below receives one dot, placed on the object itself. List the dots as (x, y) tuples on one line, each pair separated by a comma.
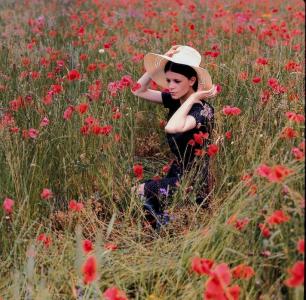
[(289, 133), (256, 79), (82, 108), (243, 271), (201, 266), (231, 111), (228, 135), (75, 206), (46, 194), (8, 205), (44, 122), (87, 246), (277, 217), (138, 171), (212, 149), (136, 86), (33, 133), (68, 112), (296, 275), (301, 246), (73, 75), (297, 153), (89, 270), (46, 240), (265, 231), (114, 293)]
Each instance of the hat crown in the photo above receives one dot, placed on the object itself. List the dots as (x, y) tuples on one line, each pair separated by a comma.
[(187, 55)]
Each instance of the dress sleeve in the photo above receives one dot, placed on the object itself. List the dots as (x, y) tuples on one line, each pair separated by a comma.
[(204, 115), (167, 100)]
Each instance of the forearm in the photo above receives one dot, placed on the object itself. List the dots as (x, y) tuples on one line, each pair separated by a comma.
[(177, 121), (144, 82)]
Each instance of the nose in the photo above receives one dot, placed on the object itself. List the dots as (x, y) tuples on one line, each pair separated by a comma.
[(171, 86)]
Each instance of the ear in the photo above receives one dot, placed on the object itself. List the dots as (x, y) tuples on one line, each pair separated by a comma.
[(192, 80)]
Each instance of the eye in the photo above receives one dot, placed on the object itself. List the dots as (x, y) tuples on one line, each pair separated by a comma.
[(168, 80), (177, 81)]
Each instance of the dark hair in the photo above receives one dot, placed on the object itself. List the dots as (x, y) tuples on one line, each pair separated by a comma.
[(185, 70)]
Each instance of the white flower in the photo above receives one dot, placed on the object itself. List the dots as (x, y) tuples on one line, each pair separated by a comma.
[(101, 51)]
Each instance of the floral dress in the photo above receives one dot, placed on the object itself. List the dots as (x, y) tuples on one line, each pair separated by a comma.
[(185, 146)]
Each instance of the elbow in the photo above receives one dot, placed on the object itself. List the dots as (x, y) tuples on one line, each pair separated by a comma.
[(169, 129)]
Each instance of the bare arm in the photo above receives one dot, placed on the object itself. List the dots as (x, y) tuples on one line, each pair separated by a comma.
[(144, 92)]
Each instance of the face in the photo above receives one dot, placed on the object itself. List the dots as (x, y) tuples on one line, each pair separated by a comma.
[(179, 85)]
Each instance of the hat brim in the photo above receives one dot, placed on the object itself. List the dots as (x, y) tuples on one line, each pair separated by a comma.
[(155, 63)]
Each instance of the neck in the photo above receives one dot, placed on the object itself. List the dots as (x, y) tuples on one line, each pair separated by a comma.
[(186, 96)]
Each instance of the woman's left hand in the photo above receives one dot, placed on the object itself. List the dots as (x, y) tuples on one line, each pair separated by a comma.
[(202, 94)]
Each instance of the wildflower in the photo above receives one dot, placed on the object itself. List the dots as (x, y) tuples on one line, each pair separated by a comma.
[(296, 275), (231, 111), (278, 217), (241, 223), (8, 205), (298, 118), (89, 270), (199, 152), (46, 194), (228, 135), (264, 230), (201, 266), (243, 271), (217, 286), (297, 153), (33, 133), (138, 171), (212, 149), (289, 133), (256, 79), (301, 246), (73, 75), (114, 293), (68, 112), (261, 61), (46, 240), (82, 108), (75, 206), (135, 87), (87, 246), (44, 122)]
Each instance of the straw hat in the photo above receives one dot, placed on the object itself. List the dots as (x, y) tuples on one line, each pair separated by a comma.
[(155, 63)]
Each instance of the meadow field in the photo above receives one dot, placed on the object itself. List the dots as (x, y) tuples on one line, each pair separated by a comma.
[(74, 140)]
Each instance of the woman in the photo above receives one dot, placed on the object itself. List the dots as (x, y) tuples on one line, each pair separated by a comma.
[(189, 123)]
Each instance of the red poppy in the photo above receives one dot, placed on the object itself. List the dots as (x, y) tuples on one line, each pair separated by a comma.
[(297, 153), (8, 205), (73, 75), (289, 133), (46, 240), (264, 230), (82, 108), (212, 149), (296, 275), (46, 194), (201, 266), (87, 246), (298, 118), (256, 79), (228, 135), (75, 206), (243, 271), (278, 217), (114, 293), (68, 112), (301, 246), (138, 171), (231, 111), (89, 270)]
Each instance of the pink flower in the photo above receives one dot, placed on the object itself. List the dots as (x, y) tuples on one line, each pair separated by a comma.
[(114, 293), (33, 133), (231, 111), (75, 206), (44, 122), (46, 194), (8, 205), (68, 112)]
